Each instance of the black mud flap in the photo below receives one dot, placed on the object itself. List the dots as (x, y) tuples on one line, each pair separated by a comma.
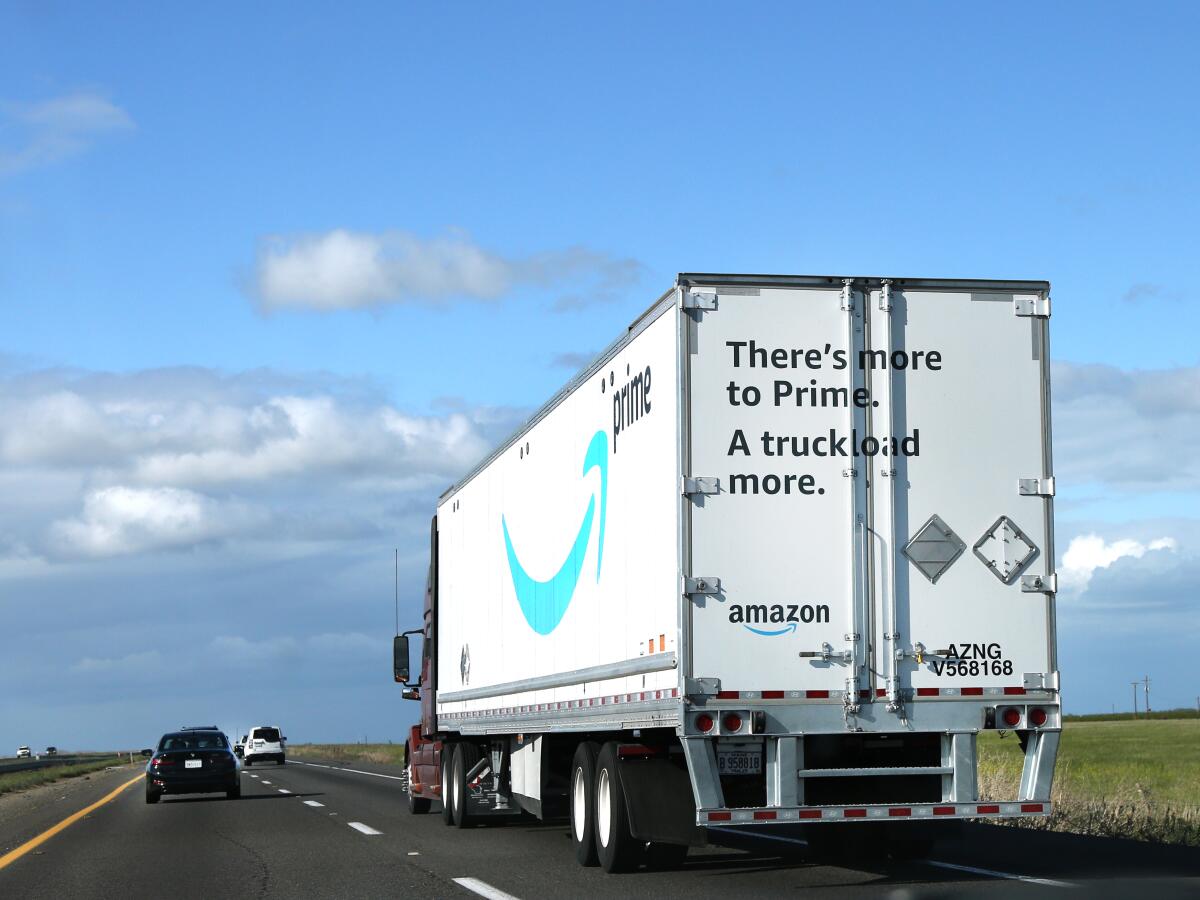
[(658, 796)]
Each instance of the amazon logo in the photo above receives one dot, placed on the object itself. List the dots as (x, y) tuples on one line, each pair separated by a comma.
[(544, 603), (777, 618)]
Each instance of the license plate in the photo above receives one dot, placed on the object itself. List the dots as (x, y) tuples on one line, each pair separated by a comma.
[(193, 763), (739, 762)]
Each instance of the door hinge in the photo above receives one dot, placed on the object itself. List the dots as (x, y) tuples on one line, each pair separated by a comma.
[(1036, 487), (701, 584), (1040, 681), (1039, 584), (885, 295), (694, 300), (1032, 305), (848, 294), (701, 687), (701, 484)]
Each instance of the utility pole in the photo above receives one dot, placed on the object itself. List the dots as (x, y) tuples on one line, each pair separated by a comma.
[(1146, 680), (1135, 687)]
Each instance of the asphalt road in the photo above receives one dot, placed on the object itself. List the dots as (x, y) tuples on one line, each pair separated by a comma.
[(307, 831)]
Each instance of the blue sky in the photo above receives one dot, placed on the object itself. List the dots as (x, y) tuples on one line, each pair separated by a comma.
[(287, 270)]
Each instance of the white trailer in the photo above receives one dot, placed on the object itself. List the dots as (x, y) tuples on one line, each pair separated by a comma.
[(778, 555)]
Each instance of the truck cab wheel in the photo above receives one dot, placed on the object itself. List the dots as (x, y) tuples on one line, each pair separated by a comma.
[(465, 757), (615, 844), (583, 803), (418, 806)]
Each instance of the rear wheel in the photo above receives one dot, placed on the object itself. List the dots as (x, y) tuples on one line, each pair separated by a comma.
[(152, 796), (249, 761), (583, 803), (279, 762), (447, 760), (615, 844), (465, 757), (418, 806), (234, 793)]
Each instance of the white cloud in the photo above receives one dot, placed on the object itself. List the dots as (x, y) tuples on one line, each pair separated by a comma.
[(344, 269), (1125, 428), (133, 662), (59, 128), (119, 520), (1089, 552)]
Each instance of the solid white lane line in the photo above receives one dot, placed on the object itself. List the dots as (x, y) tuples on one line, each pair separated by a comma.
[(992, 873), (355, 771), (483, 889), (312, 803), (283, 790), (296, 762), (365, 829)]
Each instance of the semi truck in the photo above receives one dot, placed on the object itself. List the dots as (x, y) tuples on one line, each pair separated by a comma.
[(775, 559)]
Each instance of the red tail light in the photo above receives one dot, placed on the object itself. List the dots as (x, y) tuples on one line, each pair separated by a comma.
[(704, 722), (1011, 717), (163, 761), (1037, 717), (732, 722)]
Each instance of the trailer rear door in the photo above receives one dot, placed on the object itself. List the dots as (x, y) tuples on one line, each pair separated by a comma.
[(961, 546), (770, 419)]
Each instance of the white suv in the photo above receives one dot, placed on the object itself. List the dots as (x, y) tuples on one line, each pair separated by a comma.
[(264, 742), (23, 752)]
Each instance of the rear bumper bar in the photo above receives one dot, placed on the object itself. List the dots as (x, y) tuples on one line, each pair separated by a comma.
[(874, 813)]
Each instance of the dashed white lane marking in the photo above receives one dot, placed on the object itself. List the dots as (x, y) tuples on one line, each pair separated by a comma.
[(992, 873), (283, 790), (312, 803), (483, 889), (413, 853), (365, 829), (355, 771), (265, 781)]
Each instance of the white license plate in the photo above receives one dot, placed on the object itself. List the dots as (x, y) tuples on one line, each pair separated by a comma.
[(739, 762), (193, 763)]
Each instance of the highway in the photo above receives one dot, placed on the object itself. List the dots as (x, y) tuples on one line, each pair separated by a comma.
[(304, 830)]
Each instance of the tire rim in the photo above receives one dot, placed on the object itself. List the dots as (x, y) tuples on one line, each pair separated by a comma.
[(455, 790), (603, 807), (579, 804), (408, 778)]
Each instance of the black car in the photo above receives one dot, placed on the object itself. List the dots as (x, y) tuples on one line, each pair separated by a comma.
[(193, 761)]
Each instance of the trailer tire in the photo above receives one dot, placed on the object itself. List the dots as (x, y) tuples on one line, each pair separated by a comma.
[(583, 803), (447, 769), (616, 846), (417, 806), (465, 757)]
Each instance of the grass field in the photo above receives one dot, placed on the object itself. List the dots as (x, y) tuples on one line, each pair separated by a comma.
[(1138, 779), (389, 754), (16, 781)]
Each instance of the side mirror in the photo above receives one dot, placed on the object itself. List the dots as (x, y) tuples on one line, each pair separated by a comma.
[(400, 658), (411, 694)]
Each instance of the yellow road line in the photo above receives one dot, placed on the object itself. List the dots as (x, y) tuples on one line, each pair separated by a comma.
[(13, 855)]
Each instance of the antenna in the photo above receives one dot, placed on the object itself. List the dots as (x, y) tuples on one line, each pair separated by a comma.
[(397, 590)]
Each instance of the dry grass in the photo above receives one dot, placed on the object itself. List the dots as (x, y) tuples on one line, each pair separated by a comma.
[(1130, 780), (18, 781), (385, 754)]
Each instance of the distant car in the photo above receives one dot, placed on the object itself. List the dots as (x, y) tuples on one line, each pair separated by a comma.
[(193, 761), (240, 747), (264, 743), (24, 752), (52, 751)]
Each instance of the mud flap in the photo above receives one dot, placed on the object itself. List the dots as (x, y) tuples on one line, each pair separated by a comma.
[(658, 796)]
